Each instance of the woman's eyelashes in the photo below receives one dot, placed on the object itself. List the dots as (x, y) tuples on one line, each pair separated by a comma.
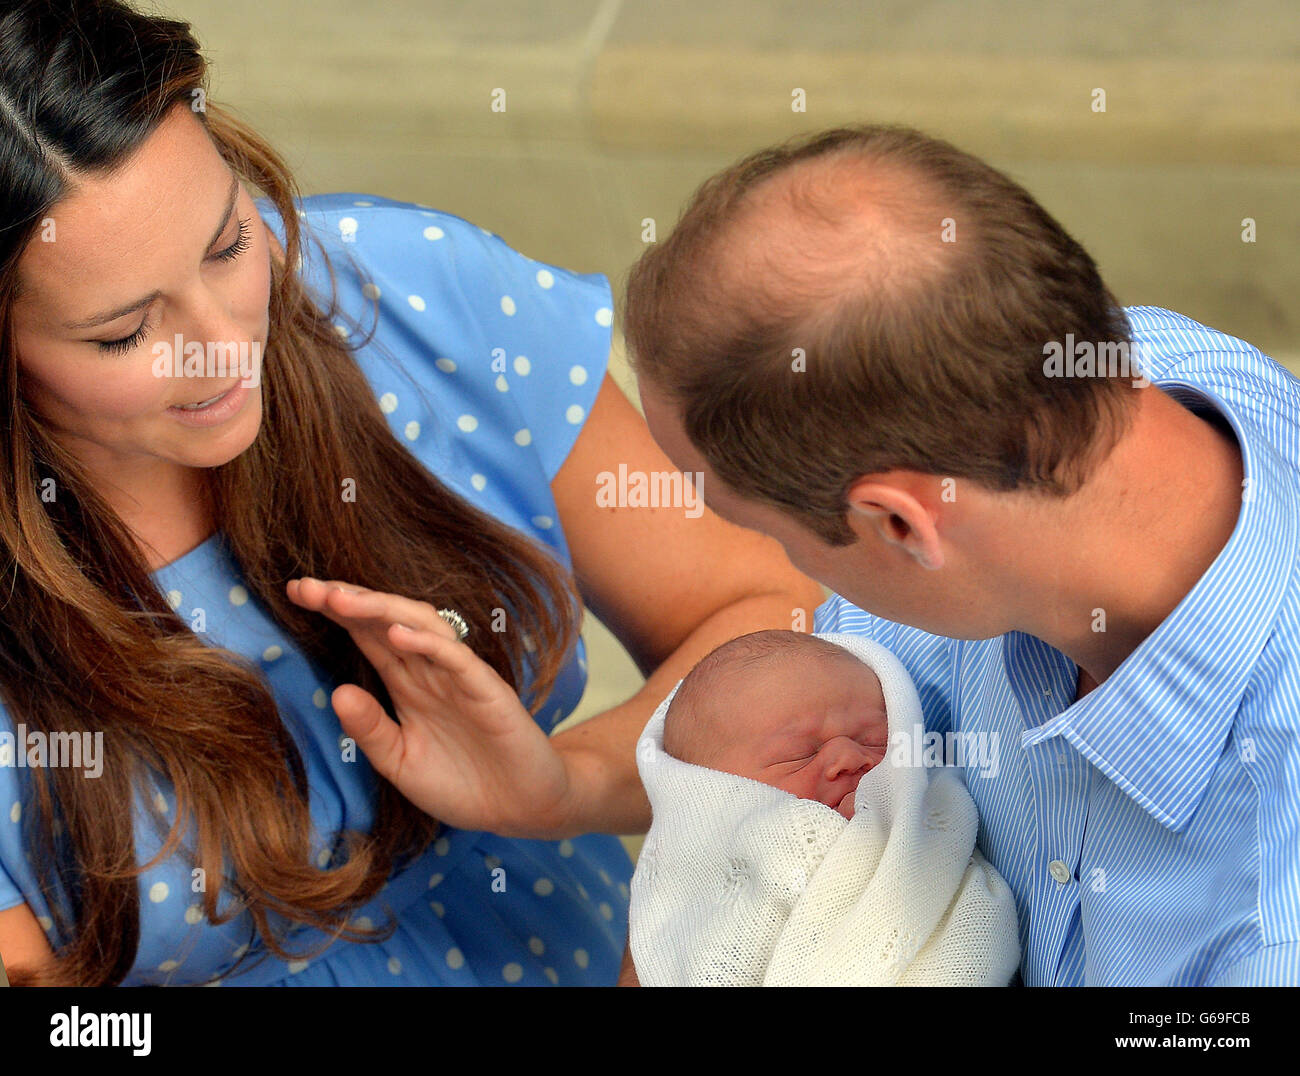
[(239, 246), (117, 347), (114, 347)]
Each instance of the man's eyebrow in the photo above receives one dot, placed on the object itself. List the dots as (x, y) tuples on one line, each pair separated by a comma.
[(140, 304)]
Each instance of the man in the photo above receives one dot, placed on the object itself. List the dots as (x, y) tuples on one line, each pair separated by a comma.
[(1075, 525)]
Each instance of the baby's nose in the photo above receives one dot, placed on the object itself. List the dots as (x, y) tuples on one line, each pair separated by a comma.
[(845, 756)]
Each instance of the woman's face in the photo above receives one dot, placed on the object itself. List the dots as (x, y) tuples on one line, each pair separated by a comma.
[(171, 244)]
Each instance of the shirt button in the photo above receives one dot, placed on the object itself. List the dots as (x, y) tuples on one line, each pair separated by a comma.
[(1059, 871)]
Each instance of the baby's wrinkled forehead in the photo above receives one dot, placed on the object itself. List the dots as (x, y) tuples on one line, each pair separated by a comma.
[(802, 664)]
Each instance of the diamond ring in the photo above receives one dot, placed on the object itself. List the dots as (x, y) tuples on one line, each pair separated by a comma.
[(456, 621)]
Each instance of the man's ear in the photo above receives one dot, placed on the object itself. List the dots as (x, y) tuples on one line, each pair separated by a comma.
[(893, 508)]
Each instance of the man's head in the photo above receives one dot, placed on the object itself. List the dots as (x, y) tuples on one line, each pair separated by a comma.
[(791, 710), (846, 335)]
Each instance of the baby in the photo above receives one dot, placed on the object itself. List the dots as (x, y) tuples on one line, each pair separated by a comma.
[(790, 846), (791, 710)]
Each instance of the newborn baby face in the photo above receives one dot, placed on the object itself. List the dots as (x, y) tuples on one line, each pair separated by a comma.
[(812, 726)]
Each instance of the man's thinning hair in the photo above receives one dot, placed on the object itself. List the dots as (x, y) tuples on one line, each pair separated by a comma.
[(870, 299)]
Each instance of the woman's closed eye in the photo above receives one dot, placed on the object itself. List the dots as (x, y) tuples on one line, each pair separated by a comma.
[(117, 347), (126, 343), (238, 247)]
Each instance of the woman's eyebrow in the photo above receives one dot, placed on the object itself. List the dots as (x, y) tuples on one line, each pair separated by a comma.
[(140, 304)]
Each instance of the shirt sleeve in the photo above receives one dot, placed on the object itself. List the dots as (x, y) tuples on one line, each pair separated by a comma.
[(11, 842), (1271, 965), (515, 342)]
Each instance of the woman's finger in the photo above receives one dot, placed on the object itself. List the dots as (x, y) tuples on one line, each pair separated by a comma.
[(377, 734), (474, 677), (358, 602)]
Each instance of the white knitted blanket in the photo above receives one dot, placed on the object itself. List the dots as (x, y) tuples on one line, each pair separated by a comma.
[(742, 884)]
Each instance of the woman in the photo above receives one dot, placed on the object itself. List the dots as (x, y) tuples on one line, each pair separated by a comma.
[(201, 556)]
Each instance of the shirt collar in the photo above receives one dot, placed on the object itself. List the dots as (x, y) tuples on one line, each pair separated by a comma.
[(1157, 726)]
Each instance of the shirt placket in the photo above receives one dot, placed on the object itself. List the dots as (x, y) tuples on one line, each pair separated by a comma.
[(1058, 780)]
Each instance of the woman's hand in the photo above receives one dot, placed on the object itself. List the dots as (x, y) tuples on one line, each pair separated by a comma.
[(465, 750)]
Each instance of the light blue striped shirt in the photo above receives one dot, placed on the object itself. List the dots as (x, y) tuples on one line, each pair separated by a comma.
[(1151, 831)]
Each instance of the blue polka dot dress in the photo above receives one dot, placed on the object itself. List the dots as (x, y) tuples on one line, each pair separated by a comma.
[(485, 364)]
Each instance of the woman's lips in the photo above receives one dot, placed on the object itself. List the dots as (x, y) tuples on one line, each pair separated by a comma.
[(224, 406)]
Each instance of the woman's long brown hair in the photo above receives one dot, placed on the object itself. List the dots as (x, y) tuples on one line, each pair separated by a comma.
[(87, 640)]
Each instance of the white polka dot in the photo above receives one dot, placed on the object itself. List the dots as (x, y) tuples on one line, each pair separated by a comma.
[(433, 232), (412, 430), (194, 914), (524, 437), (342, 330), (371, 291), (158, 892), (238, 595), (416, 302), (363, 922), (582, 891), (543, 522), (394, 966), (6, 754), (46, 922), (272, 653), (438, 909), (605, 316), (543, 887), (536, 947), (467, 423), (522, 366), (298, 966), (347, 225), (491, 862), (478, 481), (581, 958), (502, 384), (174, 598), (160, 803), (573, 414), (606, 910), (441, 846), (550, 974), (566, 848), (577, 375), (455, 959), (363, 203), (512, 972), (169, 965), (240, 951), (447, 366), (388, 403), (604, 876), (545, 278), (507, 306), (435, 880), (319, 699), (623, 892), (323, 858)]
